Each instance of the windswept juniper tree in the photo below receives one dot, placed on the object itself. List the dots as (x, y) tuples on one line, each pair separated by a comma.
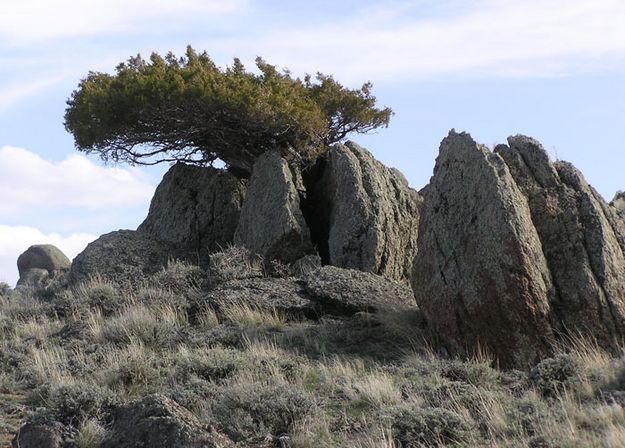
[(188, 109)]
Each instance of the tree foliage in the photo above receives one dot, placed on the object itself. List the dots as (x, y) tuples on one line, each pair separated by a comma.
[(188, 109)]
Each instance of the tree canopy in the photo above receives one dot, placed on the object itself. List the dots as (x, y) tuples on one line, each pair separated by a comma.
[(188, 109)]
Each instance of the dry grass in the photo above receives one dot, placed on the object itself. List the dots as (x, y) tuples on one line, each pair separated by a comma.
[(90, 434), (252, 316), (253, 372)]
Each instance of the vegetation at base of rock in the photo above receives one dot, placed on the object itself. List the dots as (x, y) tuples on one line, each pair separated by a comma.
[(189, 109), (259, 376)]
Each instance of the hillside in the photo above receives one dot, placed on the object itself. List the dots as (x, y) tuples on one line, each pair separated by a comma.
[(331, 306)]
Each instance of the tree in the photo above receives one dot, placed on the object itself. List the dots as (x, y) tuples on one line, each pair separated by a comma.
[(188, 109)]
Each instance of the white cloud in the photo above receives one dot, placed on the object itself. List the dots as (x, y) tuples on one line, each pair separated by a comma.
[(489, 37), (14, 240), (28, 181), (29, 21)]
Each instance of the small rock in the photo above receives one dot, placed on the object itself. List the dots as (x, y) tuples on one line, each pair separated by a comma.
[(305, 265), (156, 421)]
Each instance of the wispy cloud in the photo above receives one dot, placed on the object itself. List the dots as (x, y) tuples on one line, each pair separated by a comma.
[(16, 239), (29, 21), (15, 92), (490, 37), (27, 181)]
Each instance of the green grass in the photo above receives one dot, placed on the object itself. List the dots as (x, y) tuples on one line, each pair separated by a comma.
[(364, 381)]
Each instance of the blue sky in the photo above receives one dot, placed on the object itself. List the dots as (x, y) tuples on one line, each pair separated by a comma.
[(552, 69)]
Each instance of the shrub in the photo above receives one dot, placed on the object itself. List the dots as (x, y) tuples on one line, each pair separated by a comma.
[(155, 327), (5, 289), (472, 372), (414, 426), (75, 402), (89, 434), (96, 293), (179, 276), (234, 263), (554, 375), (215, 364), (250, 411)]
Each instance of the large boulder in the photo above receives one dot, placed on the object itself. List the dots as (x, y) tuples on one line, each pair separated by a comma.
[(364, 214), (41, 262), (347, 291), (281, 294), (480, 275), (195, 208), (326, 290), (156, 421), (582, 239), (123, 256), (271, 222)]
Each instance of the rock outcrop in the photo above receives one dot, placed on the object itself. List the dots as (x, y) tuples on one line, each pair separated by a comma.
[(326, 290), (347, 291), (123, 256), (281, 294), (271, 222), (40, 263), (618, 202), (365, 215), (195, 208), (516, 252), (156, 421), (581, 239), (480, 275)]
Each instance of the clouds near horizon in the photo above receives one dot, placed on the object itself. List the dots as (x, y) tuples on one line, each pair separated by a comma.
[(27, 180), (74, 197)]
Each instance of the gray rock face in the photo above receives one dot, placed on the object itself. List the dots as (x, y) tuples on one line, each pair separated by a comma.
[(480, 275), (371, 215), (581, 239), (346, 291), (40, 263), (195, 208), (34, 277), (619, 201), (35, 435), (271, 222), (122, 256), (158, 421)]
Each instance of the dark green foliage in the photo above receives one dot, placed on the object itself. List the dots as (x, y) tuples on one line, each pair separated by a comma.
[(170, 109), (414, 426), (556, 374)]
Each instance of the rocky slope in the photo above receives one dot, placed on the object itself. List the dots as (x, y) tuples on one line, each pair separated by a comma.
[(505, 251)]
